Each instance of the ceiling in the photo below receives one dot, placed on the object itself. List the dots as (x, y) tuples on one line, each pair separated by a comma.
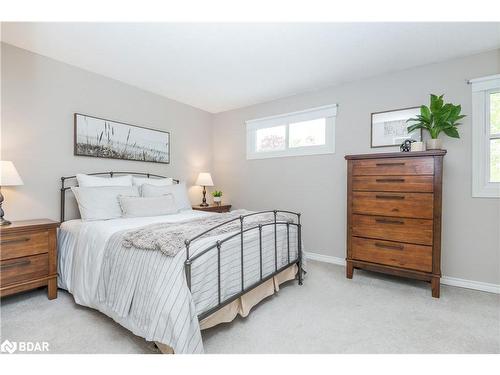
[(222, 66)]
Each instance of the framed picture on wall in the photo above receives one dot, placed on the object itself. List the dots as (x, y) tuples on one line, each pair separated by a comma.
[(102, 138), (389, 128)]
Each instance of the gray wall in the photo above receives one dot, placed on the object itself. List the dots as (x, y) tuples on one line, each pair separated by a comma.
[(39, 97), (316, 185)]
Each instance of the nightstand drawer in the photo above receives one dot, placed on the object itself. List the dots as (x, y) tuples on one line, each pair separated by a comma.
[(19, 245), (24, 269)]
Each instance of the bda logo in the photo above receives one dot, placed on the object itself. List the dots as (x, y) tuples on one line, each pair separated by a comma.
[(8, 347)]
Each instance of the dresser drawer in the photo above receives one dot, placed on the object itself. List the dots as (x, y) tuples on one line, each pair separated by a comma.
[(423, 183), (393, 166), (23, 269), (19, 245), (397, 254), (418, 231), (412, 205)]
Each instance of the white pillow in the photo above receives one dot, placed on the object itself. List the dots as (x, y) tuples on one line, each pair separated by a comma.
[(101, 203), (152, 181), (179, 192), (85, 180), (147, 206)]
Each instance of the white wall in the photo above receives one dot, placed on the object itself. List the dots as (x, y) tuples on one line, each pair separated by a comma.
[(39, 97), (316, 185)]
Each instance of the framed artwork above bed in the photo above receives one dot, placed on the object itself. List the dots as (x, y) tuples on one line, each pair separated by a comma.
[(101, 138), (388, 128)]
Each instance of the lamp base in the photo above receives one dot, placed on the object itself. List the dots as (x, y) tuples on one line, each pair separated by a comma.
[(204, 200), (4, 222)]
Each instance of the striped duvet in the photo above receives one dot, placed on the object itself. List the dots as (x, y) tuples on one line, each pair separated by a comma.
[(146, 291)]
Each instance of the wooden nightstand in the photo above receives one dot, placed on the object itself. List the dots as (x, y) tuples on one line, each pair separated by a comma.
[(214, 208), (28, 256)]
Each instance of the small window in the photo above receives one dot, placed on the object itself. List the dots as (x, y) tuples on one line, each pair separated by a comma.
[(494, 112), (308, 132), (486, 136), (270, 139)]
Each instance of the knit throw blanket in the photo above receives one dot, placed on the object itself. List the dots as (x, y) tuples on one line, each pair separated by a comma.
[(169, 237)]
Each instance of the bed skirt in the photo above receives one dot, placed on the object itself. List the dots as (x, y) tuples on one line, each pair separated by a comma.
[(243, 304)]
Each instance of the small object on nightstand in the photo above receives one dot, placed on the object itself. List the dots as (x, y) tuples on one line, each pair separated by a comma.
[(214, 208), (217, 194), (8, 177), (28, 256), (204, 179)]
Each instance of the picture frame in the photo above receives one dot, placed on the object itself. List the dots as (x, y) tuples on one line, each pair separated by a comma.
[(102, 138), (388, 128)]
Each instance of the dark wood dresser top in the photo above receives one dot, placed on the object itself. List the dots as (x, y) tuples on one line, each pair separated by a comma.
[(396, 154)]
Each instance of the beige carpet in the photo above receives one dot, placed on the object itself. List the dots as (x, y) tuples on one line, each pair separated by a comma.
[(372, 313)]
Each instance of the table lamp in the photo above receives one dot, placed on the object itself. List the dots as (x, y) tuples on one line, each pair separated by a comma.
[(8, 177), (204, 179)]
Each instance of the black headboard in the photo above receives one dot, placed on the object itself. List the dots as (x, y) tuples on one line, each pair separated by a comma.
[(64, 180)]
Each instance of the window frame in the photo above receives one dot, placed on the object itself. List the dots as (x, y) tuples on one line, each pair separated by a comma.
[(481, 136), (328, 112)]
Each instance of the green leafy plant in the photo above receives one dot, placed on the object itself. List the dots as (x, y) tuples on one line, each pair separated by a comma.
[(437, 118), (217, 194)]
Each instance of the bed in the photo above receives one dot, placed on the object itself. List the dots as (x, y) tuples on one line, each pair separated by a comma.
[(220, 272)]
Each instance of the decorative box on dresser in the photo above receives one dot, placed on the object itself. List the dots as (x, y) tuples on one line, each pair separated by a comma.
[(28, 256), (394, 214)]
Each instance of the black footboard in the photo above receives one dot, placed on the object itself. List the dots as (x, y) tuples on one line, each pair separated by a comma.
[(257, 228)]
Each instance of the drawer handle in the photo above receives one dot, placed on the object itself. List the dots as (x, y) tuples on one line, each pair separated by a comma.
[(389, 164), (24, 262), (23, 239), (385, 246), (386, 221), (390, 180), (390, 196)]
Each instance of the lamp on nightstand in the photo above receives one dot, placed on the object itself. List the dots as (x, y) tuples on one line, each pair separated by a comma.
[(8, 177), (204, 179)]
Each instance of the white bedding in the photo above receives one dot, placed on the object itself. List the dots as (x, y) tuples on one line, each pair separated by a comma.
[(81, 246), (136, 288)]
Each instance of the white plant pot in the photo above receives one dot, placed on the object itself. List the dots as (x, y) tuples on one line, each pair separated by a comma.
[(217, 200), (434, 144)]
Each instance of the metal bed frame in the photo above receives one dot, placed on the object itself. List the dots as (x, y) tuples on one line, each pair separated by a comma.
[(218, 244)]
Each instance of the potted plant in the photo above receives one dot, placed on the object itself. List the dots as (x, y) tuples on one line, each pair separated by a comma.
[(217, 197), (438, 117)]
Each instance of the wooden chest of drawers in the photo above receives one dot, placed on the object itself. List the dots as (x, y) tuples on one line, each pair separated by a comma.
[(28, 256), (394, 214)]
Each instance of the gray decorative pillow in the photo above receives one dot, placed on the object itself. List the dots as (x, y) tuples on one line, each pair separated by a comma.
[(147, 206), (179, 192)]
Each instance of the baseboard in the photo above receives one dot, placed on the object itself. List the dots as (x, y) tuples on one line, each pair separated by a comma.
[(446, 280), (325, 258), (471, 284)]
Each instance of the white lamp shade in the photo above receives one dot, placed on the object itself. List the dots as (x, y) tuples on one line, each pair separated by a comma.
[(204, 179), (9, 175)]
